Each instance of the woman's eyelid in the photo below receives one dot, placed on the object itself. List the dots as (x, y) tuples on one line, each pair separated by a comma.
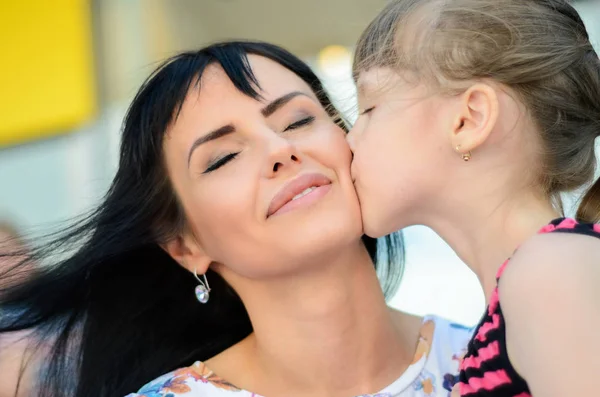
[(301, 117), (298, 116), (300, 122), (219, 162)]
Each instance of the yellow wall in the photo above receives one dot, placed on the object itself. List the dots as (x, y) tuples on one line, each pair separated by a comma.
[(46, 68)]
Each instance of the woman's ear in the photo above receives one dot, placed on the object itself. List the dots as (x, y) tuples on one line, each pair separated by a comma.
[(188, 253)]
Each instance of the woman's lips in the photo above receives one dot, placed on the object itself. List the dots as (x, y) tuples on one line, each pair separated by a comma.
[(300, 192)]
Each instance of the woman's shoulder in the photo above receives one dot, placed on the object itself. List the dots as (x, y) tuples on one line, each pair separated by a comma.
[(444, 343), (450, 339), (196, 380), (440, 340), (450, 331)]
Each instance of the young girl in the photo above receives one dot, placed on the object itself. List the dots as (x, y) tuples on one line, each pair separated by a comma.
[(475, 116)]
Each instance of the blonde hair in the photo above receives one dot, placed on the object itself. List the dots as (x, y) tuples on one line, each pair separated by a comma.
[(540, 49)]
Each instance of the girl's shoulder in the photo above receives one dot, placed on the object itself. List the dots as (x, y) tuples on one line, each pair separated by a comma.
[(558, 249), (569, 225)]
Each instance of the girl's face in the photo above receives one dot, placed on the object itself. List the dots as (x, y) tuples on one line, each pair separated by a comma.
[(265, 184), (401, 150)]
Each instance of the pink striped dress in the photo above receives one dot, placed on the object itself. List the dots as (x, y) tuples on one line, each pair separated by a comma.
[(486, 370)]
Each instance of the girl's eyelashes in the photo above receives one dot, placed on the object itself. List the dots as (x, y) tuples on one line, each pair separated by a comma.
[(367, 110)]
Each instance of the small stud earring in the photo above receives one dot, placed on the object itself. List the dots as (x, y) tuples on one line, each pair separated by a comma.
[(203, 289), (465, 156)]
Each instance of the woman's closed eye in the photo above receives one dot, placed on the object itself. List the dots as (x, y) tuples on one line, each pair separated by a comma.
[(300, 123), (221, 161)]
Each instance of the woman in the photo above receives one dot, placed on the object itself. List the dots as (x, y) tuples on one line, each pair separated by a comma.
[(234, 169)]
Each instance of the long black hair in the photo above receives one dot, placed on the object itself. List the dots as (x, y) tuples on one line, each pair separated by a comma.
[(115, 310)]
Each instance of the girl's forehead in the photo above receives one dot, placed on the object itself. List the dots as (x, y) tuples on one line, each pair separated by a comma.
[(375, 80)]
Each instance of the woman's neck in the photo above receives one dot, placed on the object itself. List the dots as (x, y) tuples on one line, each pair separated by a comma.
[(327, 331), (485, 230)]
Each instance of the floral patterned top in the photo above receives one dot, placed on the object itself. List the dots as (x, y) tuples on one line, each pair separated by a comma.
[(433, 372)]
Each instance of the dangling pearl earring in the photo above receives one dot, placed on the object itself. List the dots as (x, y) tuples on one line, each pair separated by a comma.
[(203, 289)]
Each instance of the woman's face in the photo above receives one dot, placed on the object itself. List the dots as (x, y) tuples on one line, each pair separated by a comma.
[(265, 184), (400, 150)]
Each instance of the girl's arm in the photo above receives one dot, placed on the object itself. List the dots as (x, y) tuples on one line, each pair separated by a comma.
[(550, 298)]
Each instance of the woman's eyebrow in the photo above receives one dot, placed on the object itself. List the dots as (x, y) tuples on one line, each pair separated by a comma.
[(279, 102)]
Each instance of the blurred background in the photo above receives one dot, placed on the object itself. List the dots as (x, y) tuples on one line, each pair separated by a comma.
[(69, 69)]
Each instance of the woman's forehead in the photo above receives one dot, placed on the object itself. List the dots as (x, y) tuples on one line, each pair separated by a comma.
[(274, 80), (216, 102)]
